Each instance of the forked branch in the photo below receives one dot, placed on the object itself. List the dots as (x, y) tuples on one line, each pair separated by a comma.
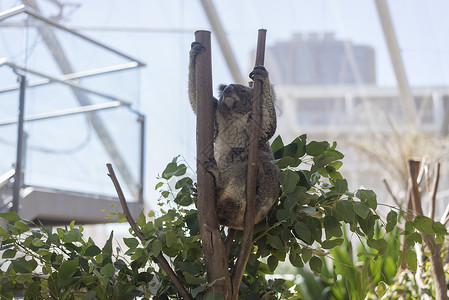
[(160, 259)]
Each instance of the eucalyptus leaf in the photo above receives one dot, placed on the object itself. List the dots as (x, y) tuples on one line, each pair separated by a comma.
[(362, 209), (332, 226), (392, 219), (10, 216), (411, 259), (316, 265), (68, 268)]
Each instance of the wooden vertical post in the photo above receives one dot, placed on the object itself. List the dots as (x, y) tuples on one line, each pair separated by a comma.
[(213, 245), (255, 126)]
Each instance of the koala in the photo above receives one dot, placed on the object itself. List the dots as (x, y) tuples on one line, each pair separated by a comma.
[(232, 136)]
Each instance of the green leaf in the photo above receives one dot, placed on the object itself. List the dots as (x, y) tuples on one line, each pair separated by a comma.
[(121, 217), (409, 227), (107, 270), (381, 289), (3, 232), (316, 148), (37, 243), (91, 295), (380, 245), (314, 225), (275, 242), (92, 251), (341, 186), (132, 243), (392, 219), (424, 224), (184, 182), (362, 209), (291, 179), (367, 196), (173, 169), (21, 226), (329, 244), (213, 295), (107, 248), (272, 262), (306, 254), (277, 145), (283, 162), (141, 221), (413, 238), (295, 259), (195, 280), (170, 238), (332, 226), (137, 254), (10, 216), (9, 253), (316, 265), (110, 215), (158, 185), (346, 209), (439, 228), (411, 259), (68, 268), (303, 232), (21, 266), (156, 247)]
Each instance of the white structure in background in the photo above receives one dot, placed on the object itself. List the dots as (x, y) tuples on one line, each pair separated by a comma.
[(76, 118)]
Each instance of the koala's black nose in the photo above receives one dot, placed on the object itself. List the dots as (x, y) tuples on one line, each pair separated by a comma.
[(228, 90)]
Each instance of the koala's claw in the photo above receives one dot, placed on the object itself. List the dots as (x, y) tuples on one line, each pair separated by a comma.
[(196, 48), (210, 164), (194, 190), (258, 70)]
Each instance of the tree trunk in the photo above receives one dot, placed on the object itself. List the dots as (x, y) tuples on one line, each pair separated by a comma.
[(213, 245)]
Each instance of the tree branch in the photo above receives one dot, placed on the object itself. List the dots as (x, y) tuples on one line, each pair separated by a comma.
[(433, 191), (160, 258), (391, 192), (217, 263), (435, 249), (250, 215)]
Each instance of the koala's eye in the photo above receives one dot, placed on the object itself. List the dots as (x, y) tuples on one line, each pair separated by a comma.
[(242, 92)]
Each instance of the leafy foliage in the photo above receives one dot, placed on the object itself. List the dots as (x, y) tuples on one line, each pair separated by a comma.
[(306, 224)]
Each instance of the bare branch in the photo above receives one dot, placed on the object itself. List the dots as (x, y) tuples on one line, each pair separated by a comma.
[(160, 258), (434, 248), (250, 214), (217, 263), (433, 191), (391, 192)]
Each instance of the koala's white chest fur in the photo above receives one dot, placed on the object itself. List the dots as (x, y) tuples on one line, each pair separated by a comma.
[(232, 133)]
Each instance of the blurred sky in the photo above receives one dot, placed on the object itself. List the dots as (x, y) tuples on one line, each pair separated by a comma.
[(160, 33)]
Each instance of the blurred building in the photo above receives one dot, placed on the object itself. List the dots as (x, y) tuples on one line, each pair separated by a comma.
[(321, 60), (327, 89)]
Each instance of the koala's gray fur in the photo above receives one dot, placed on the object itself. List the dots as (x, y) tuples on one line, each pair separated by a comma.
[(232, 131)]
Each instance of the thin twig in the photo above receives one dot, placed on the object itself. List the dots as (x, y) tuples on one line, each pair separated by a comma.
[(391, 192), (160, 258)]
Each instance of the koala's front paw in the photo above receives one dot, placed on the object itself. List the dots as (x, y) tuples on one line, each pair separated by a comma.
[(211, 166), (258, 71), (195, 49)]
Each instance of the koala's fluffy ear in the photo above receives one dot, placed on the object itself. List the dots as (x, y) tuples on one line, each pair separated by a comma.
[(221, 88)]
